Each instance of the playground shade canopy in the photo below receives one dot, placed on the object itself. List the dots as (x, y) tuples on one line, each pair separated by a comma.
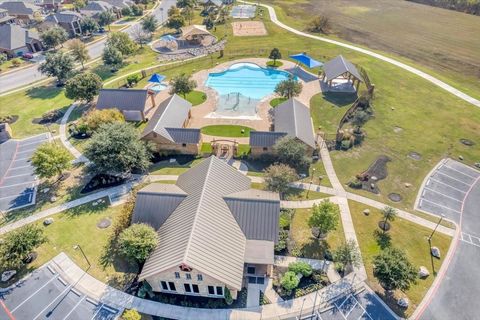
[(194, 30), (306, 60), (156, 78)]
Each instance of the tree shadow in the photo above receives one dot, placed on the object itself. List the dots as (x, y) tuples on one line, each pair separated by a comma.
[(44, 92), (390, 299), (384, 240), (340, 99), (315, 249)]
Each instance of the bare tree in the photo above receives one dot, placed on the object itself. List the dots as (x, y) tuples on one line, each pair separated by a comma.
[(140, 36), (320, 24)]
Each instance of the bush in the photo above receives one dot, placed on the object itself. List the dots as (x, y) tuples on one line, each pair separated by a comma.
[(228, 297), (301, 267), (355, 184), (136, 10), (291, 152), (131, 314), (289, 281), (282, 241), (393, 270), (15, 62), (96, 118), (285, 218), (278, 177), (18, 244), (126, 11), (346, 144), (133, 79), (137, 242)]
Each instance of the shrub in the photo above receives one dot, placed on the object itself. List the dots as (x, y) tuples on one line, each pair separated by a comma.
[(320, 23), (355, 184), (131, 314), (289, 281), (228, 297), (15, 62), (282, 241), (278, 177), (18, 244), (394, 270), (301, 267), (137, 242), (285, 218), (133, 79), (346, 144), (96, 118)]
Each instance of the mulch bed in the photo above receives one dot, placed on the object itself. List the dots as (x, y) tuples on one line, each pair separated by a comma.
[(395, 197), (466, 142), (182, 159), (49, 117), (102, 181), (9, 119), (376, 172)]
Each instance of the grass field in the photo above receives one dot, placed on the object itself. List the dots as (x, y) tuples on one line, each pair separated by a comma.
[(164, 167), (406, 235), (196, 97), (232, 131), (442, 40)]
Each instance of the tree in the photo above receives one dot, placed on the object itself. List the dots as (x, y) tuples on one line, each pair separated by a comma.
[(291, 152), (173, 11), (359, 119), (136, 10), (389, 215), (301, 267), (208, 22), (83, 86), (182, 84), (112, 57), (131, 314), (274, 55), (175, 22), (78, 4), (54, 36), (278, 177), (116, 149), (346, 255), (139, 35), (137, 242), (324, 218), (105, 18), (127, 11), (185, 3), (57, 64), (289, 88), (149, 24), (79, 51), (393, 269), (320, 23), (289, 281), (122, 42), (50, 160), (89, 25), (16, 246), (96, 118), (188, 14), (3, 58)]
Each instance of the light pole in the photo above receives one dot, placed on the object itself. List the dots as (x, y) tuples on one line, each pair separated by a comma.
[(77, 247), (301, 309), (311, 182), (161, 13), (438, 223)]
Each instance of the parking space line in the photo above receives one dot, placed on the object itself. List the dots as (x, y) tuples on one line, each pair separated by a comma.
[(21, 167), (56, 298), (18, 184), (75, 306), (4, 307), (16, 195), (18, 175), (446, 175), (28, 150), (445, 184), (461, 172), (463, 237), (444, 195), (38, 290), (95, 314), (20, 159), (351, 309), (438, 205)]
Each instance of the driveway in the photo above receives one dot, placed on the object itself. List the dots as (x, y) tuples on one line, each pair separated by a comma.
[(46, 295), (17, 180), (458, 292)]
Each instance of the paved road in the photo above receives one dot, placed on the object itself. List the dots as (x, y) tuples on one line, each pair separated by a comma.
[(30, 75), (457, 294)]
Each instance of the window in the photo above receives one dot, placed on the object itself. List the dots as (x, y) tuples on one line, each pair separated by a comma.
[(251, 270), (184, 145), (265, 149), (219, 291), (187, 287), (164, 285), (172, 286), (199, 277), (177, 275), (195, 288), (211, 290), (188, 276)]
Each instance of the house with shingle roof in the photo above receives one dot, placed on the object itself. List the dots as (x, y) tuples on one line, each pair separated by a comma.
[(69, 20), (215, 233), (95, 8), (22, 11), (5, 17), (120, 4), (134, 104), (167, 128), (291, 118), (342, 71), (15, 40)]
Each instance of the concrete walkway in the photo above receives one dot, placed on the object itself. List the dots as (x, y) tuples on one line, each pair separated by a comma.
[(424, 75), (79, 157)]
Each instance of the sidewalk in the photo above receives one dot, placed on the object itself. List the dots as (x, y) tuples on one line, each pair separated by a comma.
[(63, 136)]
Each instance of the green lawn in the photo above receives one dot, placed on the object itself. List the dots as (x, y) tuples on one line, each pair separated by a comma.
[(229, 131), (196, 97), (164, 167), (327, 110), (406, 235), (275, 64), (306, 243), (295, 194), (276, 101)]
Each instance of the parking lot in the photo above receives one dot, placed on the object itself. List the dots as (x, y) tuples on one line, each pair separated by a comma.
[(364, 305), (44, 294), (17, 180)]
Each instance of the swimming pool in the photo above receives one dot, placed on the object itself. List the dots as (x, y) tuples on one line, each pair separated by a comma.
[(247, 79)]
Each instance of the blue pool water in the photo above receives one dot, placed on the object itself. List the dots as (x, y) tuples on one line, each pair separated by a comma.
[(248, 79)]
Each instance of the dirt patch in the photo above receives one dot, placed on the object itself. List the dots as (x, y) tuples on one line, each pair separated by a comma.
[(368, 179), (415, 156), (249, 28), (9, 119), (395, 197), (466, 142)]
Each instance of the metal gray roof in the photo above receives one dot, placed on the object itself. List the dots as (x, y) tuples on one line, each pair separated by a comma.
[(67, 16), (257, 213), (293, 118), (338, 66), (156, 202), (122, 99), (168, 121), (202, 232), (19, 8), (264, 138), (12, 36)]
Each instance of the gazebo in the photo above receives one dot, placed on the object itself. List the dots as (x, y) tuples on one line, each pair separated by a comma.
[(343, 71), (195, 33)]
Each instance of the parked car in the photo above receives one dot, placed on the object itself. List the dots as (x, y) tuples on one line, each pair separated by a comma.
[(27, 55)]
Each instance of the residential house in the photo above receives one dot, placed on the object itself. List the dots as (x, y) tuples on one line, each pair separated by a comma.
[(5, 17), (208, 3), (215, 233), (134, 104), (167, 128), (51, 5), (15, 40), (69, 20), (120, 4), (95, 8), (23, 12), (291, 118)]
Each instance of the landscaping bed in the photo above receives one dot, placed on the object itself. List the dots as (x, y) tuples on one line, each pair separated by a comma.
[(101, 181), (202, 302), (307, 285), (368, 179)]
